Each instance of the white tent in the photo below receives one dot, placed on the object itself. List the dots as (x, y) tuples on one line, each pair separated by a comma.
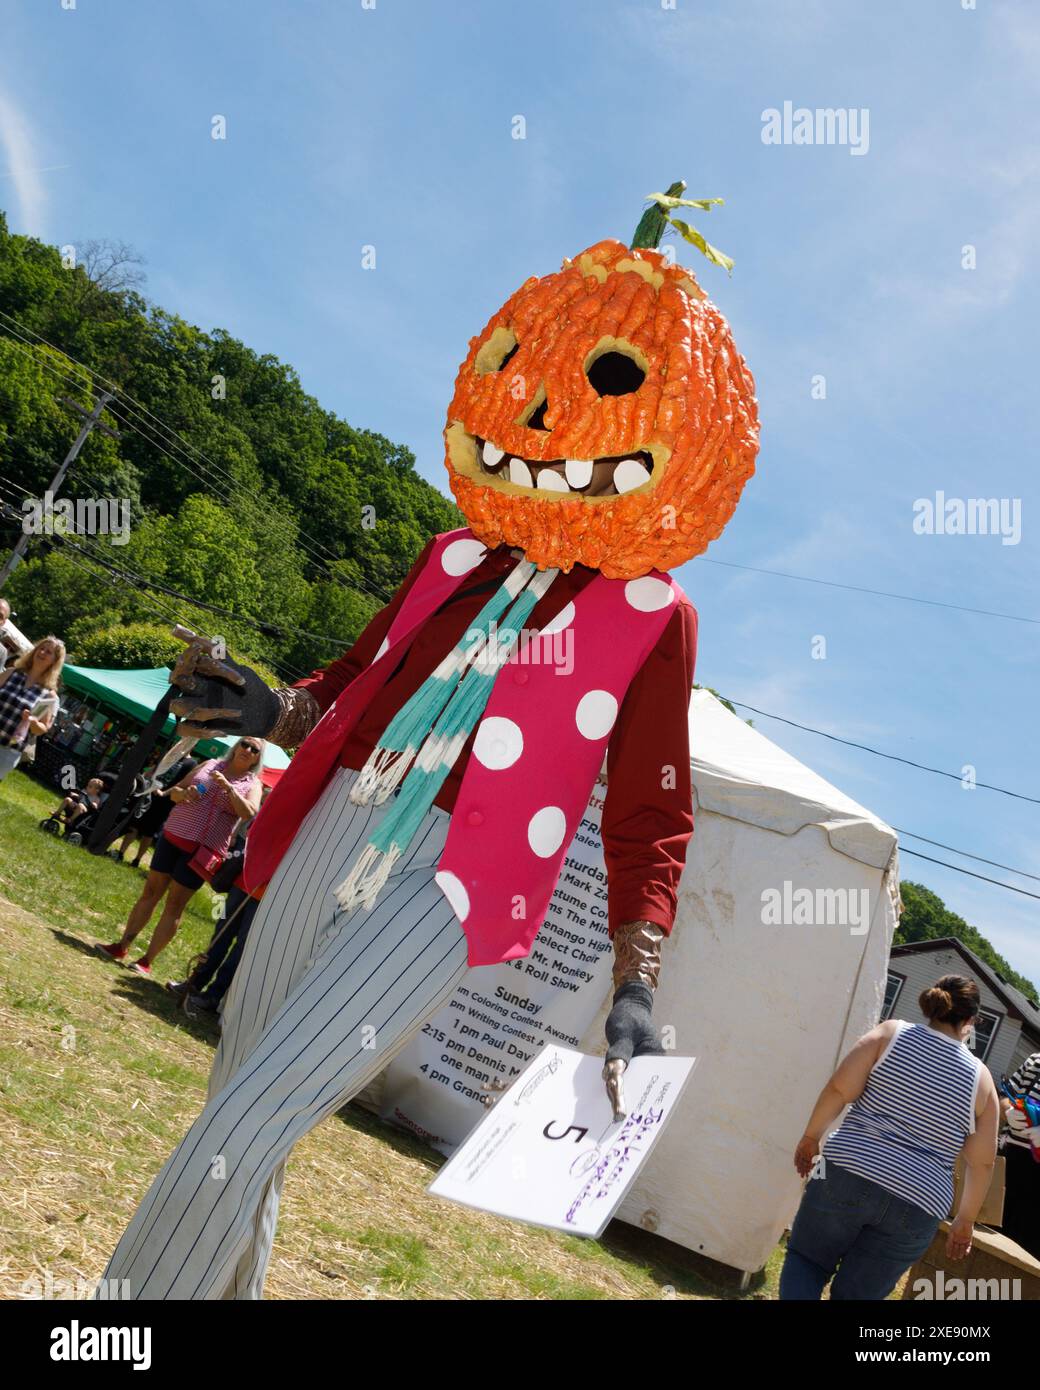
[(767, 1008)]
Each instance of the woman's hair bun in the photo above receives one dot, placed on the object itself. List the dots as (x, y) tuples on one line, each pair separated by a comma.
[(952, 999)]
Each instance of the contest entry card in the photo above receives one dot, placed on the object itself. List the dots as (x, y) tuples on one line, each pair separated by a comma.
[(550, 1152)]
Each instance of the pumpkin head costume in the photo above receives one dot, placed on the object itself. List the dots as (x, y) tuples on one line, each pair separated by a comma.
[(602, 427), (604, 417)]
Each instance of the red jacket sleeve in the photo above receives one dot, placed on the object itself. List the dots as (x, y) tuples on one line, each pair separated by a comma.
[(648, 809), (327, 684)]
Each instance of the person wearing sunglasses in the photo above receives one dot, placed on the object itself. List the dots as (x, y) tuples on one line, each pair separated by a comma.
[(207, 805)]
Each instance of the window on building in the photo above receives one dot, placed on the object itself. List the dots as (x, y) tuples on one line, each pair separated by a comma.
[(986, 1025), (893, 986)]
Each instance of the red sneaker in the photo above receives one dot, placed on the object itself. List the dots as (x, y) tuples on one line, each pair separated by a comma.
[(141, 966), (112, 950)]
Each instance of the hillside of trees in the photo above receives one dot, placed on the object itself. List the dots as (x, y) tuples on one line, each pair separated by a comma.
[(245, 494), (925, 917)]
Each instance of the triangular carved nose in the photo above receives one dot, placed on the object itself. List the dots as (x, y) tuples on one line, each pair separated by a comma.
[(537, 420), (532, 417)]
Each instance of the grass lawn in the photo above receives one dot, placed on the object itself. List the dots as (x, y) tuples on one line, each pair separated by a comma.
[(101, 1075)]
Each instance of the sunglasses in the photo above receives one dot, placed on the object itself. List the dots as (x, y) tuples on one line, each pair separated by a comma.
[(250, 748)]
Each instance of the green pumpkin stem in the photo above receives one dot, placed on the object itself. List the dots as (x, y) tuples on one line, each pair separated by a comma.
[(654, 220)]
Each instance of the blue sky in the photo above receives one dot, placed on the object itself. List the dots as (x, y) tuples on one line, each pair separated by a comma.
[(392, 127)]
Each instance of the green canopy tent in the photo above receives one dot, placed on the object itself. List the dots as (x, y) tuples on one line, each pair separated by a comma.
[(137, 693)]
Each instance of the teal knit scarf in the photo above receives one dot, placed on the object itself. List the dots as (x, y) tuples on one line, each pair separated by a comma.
[(422, 742)]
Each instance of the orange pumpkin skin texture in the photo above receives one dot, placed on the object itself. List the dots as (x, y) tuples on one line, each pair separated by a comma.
[(695, 413)]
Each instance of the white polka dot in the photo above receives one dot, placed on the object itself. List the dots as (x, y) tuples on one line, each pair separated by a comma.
[(563, 619), (545, 831), (596, 712), (454, 891), (648, 594), (499, 742), (462, 556), (384, 646)]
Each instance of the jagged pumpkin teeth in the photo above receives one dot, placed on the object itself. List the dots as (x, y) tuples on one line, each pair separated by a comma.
[(491, 455), (549, 481), (519, 473), (629, 474), (578, 471)]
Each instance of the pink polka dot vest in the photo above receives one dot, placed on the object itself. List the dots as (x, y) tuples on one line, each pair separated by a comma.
[(536, 753)]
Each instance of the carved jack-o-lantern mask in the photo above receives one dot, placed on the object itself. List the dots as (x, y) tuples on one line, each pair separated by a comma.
[(604, 417)]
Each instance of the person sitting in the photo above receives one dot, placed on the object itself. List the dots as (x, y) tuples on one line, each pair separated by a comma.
[(77, 804), (917, 1098), (208, 803)]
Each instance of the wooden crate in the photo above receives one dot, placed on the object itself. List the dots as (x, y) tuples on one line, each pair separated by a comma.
[(993, 1257)]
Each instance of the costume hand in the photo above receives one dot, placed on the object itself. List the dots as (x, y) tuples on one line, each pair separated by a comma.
[(220, 697), (958, 1241), (630, 1033), (1017, 1121), (805, 1155)]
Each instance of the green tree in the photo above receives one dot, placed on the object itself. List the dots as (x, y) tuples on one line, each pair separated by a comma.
[(126, 647), (244, 492), (925, 917)]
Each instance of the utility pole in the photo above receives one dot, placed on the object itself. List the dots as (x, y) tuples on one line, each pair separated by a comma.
[(91, 420)]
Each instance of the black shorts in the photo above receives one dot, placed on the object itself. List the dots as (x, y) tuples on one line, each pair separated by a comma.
[(154, 818), (170, 859)]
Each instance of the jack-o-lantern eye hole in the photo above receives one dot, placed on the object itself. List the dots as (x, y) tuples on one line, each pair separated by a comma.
[(493, 355), (615, 370)]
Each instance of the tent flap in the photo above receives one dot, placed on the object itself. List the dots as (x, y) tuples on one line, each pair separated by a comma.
[(742, 775)]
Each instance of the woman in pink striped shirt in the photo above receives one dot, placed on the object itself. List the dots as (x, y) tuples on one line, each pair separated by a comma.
[(208, 804)]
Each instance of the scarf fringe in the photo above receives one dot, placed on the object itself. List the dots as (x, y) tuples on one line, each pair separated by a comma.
[(367, 877), (383, 772), (426, 737)]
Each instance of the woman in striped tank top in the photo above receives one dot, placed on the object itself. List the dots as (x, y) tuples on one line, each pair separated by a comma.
[(917, 1098)]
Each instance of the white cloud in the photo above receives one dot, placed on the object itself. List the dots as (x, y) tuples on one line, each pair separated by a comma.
[(19, 162)]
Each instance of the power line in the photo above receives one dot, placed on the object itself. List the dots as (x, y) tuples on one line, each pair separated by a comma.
[(261, 511), (954, 850), (860, 589), (136, 420), (892, 757), (90, 421), (958, 870), (141, 411), (279, 663), (157, 608), (251, 501), (265, 628)]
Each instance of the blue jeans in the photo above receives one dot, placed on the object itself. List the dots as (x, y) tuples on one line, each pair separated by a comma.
[(866, 1233)]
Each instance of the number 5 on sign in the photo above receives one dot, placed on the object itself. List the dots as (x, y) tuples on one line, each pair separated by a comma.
[(550, 1153)]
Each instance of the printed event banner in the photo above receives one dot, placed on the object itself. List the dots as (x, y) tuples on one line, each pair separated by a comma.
[(502, 1016)]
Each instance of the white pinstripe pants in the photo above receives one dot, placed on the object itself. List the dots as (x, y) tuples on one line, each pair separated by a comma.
[(320, 1003)]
